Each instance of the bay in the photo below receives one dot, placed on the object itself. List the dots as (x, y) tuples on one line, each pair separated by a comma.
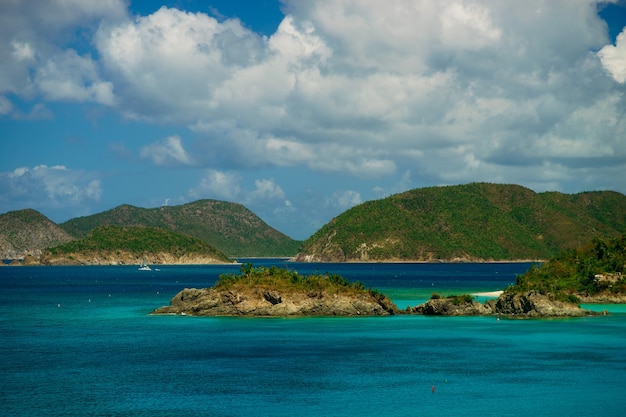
[(79, 341)]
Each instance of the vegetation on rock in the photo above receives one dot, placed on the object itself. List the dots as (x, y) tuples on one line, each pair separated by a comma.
[(472, 222), (263, 292), (285, 280), (591, 270)]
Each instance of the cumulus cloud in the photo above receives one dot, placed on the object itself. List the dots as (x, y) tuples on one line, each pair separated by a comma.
[(34, 60), (168, 152), (217, 184), (266, 189), (368, 89), (447, 90), (227, 186), (613, 58), (49, 186), (343, 200)]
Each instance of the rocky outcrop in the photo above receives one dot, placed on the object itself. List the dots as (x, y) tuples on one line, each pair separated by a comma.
[(268, 302), (528, 305), (447, 307), (533, 304)]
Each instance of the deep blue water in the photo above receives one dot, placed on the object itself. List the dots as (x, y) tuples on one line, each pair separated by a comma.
[(79, 341)]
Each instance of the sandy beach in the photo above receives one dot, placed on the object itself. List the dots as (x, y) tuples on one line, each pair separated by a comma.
[(488, 294)]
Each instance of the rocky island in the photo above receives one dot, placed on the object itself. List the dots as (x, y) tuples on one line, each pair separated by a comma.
[(269, 292), (277, 292)]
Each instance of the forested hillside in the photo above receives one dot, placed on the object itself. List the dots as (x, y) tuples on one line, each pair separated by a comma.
[(477, 221), (230, 227), (108, 245), (595, 270)]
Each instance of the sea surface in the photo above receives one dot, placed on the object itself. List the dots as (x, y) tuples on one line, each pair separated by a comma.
[(80, 341)]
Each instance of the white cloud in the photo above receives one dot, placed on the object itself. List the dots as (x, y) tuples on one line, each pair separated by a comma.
[(168, 152), (5, 105), (613, 58), (33, 57), (69, 76), (218, 185), (467, 26), (44, 186), (266, 189), (452, 90), (343, 200), (227, 186)]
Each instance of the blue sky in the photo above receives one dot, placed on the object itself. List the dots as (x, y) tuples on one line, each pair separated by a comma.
[(302, 109)]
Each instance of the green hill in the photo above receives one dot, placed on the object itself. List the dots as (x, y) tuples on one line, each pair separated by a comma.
[(230, 227), (477, 221), (130, 245), (28, 232), (593, 270)]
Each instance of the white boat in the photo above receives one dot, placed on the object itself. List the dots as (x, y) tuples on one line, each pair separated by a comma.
[(144, 266)]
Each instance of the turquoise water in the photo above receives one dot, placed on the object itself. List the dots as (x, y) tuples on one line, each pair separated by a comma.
[(79, 341)]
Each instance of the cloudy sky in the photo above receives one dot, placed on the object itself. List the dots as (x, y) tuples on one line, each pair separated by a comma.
[(302, 109)]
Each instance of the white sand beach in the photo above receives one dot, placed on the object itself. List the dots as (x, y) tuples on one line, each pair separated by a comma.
[(488, 294)]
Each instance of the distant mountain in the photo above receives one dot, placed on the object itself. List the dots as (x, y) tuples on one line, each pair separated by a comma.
[(28, 232), (473, 222), (230, 227), (117, 245)]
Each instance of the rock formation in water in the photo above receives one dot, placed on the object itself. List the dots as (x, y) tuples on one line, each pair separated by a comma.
[(528, 305), (267, 302)]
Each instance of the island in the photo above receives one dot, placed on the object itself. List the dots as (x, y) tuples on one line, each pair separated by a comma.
[(279, 292)]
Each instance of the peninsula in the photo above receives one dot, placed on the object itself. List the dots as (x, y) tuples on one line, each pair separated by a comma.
[(593, 273)]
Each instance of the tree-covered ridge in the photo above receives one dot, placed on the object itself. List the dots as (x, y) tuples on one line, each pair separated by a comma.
[(137, 240), (285, 280), (230, 227), (476, 221), (590, 270)]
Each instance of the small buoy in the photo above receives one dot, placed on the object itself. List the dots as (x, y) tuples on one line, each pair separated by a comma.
[(432, 389), (59, 305)]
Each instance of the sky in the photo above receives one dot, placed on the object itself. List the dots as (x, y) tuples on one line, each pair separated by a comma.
[(300, 109)]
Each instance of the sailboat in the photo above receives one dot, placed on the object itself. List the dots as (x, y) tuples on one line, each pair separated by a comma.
[(144, 266)]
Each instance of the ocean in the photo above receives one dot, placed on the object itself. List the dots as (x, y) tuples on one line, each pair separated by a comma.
[(80, 341)]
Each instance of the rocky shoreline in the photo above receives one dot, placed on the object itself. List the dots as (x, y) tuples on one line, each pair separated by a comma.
[(267, 302), (112, 259), (528, 305)]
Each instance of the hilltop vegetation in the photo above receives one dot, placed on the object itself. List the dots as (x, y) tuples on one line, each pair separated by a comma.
[(229, 227), (594, 270), (126, 245), (472, 222), (281, 279)]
